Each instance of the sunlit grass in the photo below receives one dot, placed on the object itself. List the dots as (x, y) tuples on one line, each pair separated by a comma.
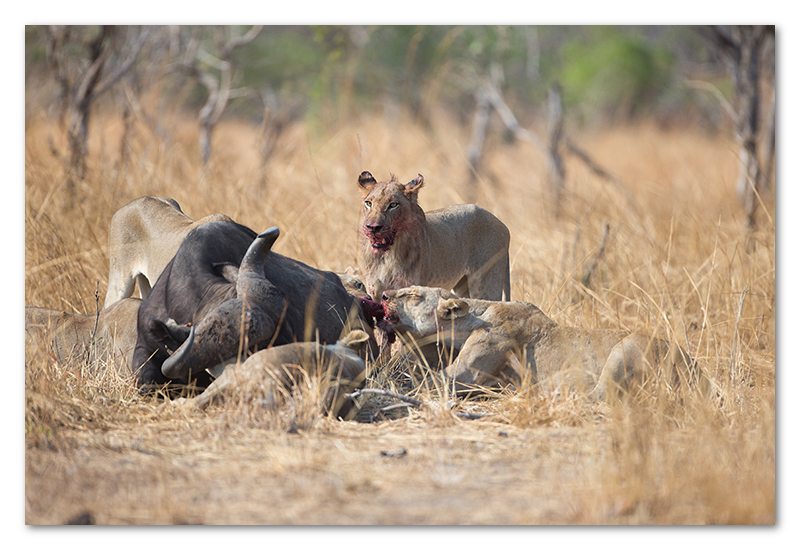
[(675, 266)]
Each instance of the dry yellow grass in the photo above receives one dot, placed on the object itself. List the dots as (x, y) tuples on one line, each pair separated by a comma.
[(675, 265)]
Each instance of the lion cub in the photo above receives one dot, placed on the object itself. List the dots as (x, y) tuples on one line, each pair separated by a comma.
[(497, 338), (462, 247)]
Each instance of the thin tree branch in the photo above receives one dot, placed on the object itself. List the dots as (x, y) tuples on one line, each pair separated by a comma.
[(494, 97), (125, 67), (591, 164), (234, 43), (587, 275), (715, 34), (206, 57), (707, 86)]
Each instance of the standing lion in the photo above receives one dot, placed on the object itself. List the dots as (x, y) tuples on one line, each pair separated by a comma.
[(462, 247)]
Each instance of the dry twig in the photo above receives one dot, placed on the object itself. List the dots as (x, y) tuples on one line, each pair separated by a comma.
[(407, 402)]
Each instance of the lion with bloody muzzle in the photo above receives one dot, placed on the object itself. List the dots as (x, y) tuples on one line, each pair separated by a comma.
[(462, 248)]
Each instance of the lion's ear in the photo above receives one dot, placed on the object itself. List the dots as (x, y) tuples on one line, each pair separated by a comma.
[(452, 308), (355, 340), (366, 181), (413, 187)]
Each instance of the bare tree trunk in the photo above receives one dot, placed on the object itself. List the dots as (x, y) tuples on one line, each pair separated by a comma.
[(277, 117), (552, 151), (556, 132), (219, 89), (480, 126), (532, 54), (744, 46), (82, 100), (79, 91), (770, 154), (127, 132), (480, 123), (745, 80), (768, 115)]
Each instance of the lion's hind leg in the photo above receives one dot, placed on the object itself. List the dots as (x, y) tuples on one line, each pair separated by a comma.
[(483, 361), (492, 281), (623, 365), (120, 286)]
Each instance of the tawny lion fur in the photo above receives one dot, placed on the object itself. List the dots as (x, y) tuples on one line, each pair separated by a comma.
[(462, 247), (353, 284), (72, 336), (143, 237), (266, 373), (502, 342)]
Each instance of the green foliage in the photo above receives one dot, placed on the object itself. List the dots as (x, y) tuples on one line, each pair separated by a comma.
[(616, 73), (35, 45), (338, 70)]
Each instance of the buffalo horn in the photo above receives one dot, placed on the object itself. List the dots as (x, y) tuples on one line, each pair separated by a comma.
[(218, 335)]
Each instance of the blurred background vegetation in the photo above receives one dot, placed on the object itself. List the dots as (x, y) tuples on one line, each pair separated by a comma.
[(544, 82), (608, 74)]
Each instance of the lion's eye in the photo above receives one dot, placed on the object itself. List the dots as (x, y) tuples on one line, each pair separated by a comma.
[(368, 204), (393, 205)]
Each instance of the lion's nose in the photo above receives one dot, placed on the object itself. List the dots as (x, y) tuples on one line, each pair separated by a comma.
[(384, 297), (374, 228)]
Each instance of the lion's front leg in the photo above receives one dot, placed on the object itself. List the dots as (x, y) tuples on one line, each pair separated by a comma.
[(483, 361)]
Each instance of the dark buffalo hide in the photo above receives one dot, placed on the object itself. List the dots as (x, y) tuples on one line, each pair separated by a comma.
[(199, 288)]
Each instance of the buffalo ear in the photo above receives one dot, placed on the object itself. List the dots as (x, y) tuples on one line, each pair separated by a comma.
[(413, 187), (366, 181), (168, 331), (227, 271), (452, 308)]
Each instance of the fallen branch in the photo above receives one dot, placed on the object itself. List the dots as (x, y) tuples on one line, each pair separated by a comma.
[(407, 402), (598, 171), (385, 393), (587, 275), (511, 122), (593, 166)]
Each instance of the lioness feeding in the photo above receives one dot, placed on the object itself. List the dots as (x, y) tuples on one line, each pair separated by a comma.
[(462, 247), (497, 340), (264, 374)]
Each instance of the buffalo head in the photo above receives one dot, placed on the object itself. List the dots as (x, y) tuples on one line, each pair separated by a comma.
[(237, 324)]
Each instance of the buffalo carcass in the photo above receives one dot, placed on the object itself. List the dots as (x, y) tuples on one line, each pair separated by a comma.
[(224, 274)]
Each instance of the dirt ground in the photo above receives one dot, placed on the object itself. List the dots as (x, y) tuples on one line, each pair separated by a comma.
[(428, 468)]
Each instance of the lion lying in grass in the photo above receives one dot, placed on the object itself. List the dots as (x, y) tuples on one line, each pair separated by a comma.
[(503, 342), (109, 336), (462, 247), (269, 372)]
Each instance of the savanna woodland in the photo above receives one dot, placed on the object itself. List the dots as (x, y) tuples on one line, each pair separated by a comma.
[(633, 167)]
